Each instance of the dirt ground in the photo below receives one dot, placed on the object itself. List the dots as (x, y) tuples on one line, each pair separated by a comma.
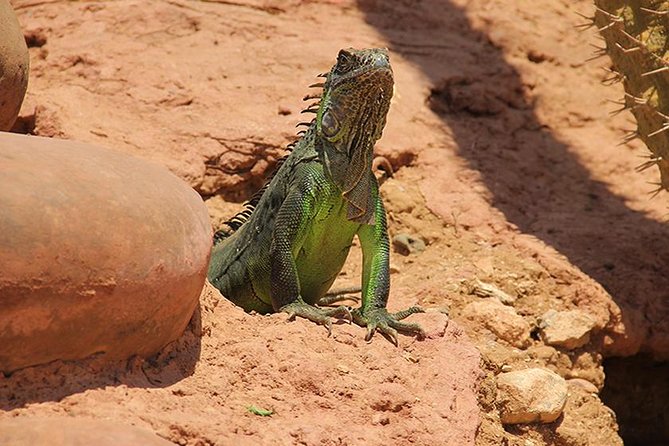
[(508, 166)]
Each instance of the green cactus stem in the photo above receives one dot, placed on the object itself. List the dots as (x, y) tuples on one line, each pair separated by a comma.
[(637, 41)]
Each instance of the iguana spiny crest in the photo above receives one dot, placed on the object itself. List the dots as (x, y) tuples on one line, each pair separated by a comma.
[(350, 116)]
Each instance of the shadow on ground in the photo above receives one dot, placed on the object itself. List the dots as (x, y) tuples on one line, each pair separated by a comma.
[(533, 177), (59, 379)]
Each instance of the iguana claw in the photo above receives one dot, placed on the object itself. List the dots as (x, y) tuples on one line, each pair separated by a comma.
[(318, 315), (386, 323)]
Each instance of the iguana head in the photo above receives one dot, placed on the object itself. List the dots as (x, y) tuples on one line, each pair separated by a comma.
[(350, 119)]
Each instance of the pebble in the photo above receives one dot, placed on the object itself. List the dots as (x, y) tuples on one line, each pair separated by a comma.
[(484, 289), (406, 244), (380, 419), (500, 319), (583, 384)]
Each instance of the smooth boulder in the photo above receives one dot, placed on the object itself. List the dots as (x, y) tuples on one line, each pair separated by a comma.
[(100, 252), (14, 66), (69, 431)]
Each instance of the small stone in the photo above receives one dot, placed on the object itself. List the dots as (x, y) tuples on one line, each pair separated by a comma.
[(484, 289), (501, 320), (406, 244), (543, 352), (342, 369), (567, 329), (531, 396), (582, 384), (411, 358), (389, 397), (393, 268), (284, 111), (573, 436), (380, 419)]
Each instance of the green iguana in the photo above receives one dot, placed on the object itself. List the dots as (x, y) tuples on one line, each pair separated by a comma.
[(292, 240)]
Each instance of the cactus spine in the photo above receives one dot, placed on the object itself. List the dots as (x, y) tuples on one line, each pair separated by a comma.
[(637, 41)]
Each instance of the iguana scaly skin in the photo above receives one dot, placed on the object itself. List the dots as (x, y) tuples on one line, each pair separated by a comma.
[(291, 242)]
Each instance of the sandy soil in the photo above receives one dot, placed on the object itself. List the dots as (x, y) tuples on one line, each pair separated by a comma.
[(508, 167)]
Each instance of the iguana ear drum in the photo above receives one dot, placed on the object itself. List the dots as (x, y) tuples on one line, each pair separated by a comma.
[(329, 124)]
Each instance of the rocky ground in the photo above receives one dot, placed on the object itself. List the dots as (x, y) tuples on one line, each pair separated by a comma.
[(541, 238)]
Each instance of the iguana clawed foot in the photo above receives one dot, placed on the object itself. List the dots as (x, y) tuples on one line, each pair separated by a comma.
[(386, 323), (320, 316)]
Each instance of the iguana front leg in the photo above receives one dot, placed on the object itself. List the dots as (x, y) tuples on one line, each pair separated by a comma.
[(291, 220), (376, 283)]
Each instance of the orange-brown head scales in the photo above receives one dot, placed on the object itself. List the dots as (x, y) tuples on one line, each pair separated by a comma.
[(351, 117)]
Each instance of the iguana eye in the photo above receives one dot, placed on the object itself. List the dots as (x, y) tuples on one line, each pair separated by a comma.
[(345, 62), (329, 124)]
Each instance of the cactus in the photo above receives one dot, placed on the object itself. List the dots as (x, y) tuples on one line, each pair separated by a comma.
[(637, 41)]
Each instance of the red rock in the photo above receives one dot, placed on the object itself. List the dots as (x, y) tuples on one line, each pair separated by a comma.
[(14, 66), (67, 431), (100, 252)]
